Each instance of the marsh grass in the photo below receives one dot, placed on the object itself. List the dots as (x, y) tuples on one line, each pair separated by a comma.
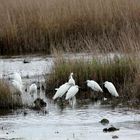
[(122, 71), (5, 95), (32, 26), (7, 100)]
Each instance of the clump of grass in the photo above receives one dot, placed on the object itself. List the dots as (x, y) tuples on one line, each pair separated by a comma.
[(120, 71), (5, 95), (7, 101), (32, 26)]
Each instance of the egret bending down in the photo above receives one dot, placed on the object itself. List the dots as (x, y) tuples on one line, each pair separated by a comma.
[(94, 85), (61, 90), (71, 80), (71, 94), (109, 87)]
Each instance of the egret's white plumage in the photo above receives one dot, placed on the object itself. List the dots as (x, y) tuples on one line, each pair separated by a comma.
[(61, 90), (16, 76), (72, 92), (33, 90), (94, 85), (111, 88), (71, 80), (17, 86)]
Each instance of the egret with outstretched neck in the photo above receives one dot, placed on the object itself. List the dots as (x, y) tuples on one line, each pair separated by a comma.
[(71, 80)]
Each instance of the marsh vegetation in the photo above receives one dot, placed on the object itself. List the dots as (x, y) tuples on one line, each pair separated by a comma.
[(32, 26)]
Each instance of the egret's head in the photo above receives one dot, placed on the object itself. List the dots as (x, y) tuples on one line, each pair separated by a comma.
[(105, 82), (87, 81), (77, 86), (71, 74)]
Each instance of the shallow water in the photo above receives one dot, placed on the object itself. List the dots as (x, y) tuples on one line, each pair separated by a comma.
[(79, 123), (71, 124)]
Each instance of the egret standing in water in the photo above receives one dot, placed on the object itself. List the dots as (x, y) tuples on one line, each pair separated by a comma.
[(70, 95), (17, 82), (71, 80), (61, 90), (94, 85), (110, 88)]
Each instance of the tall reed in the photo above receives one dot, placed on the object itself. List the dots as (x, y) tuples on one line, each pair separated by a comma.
[(32, 26)]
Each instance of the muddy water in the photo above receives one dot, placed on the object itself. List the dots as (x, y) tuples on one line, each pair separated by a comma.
[(70, 124), (79, 123)]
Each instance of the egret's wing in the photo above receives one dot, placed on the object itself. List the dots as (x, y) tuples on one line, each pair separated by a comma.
[(71, 92), (111, 88)]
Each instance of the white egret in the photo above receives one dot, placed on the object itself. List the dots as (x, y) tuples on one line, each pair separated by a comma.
[(94, 85), (70, 95), (108, 86), (16, 76), (71, 80), (61, 90), (33, 90), (17, 86)]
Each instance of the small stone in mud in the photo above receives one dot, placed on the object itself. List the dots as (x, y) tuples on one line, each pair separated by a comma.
[(24, 113), (26, 61), (104, 121), (7, 133), (110, 129), (56, 132), (115, 137), (42, 87), (25, 89)]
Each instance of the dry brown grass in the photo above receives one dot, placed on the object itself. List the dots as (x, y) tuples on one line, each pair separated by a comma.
[(7, 99), (35, 26), (5, 95)]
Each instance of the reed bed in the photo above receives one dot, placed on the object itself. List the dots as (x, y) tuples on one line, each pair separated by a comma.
[(32, 26)]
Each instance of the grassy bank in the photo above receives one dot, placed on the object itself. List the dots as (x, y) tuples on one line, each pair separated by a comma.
[(7, 99), (32, 26), (122, 71)]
